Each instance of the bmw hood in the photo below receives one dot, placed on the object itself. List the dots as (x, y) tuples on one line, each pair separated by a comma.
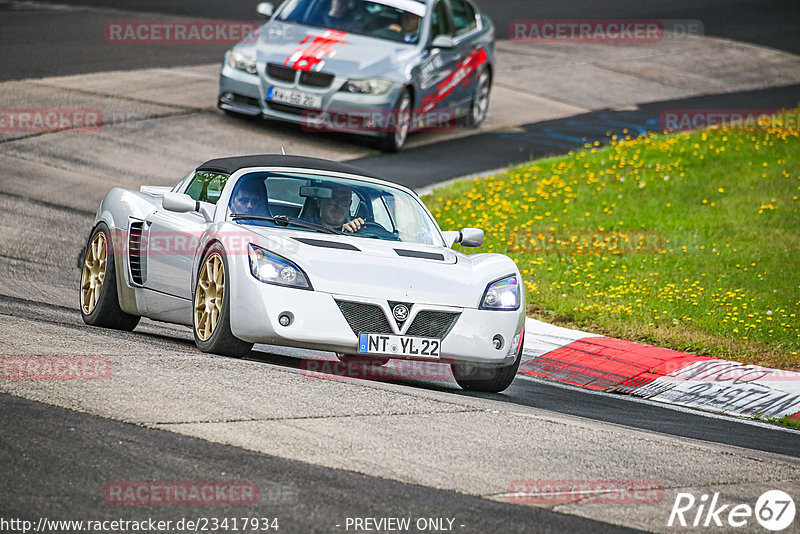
[(389, 270), (319, 49)]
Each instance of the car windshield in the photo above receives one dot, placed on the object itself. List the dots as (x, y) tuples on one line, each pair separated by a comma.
[(394, 20), (313, 203)]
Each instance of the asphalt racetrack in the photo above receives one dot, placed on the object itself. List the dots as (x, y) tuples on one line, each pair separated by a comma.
[(320, 451)]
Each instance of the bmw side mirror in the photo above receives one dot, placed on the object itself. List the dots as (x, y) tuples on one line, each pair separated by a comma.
[(443, 41), (178, 202), (265, 9)]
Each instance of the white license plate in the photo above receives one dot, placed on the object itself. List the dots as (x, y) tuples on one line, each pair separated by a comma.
[(392, 345), (295, 98)]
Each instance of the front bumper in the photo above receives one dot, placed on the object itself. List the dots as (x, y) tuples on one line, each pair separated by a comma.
[(246, 94), (319, 324)]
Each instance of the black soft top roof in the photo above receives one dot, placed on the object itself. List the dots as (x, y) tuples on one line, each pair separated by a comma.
[(233, 164)]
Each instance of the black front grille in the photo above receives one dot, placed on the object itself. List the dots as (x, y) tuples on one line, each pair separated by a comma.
[(316, 79), (432, 324), (279, 72), (369, 318), (135, 256), (286, 108), (366, 318)]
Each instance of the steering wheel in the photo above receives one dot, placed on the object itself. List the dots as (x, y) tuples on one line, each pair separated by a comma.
[(377, 230)]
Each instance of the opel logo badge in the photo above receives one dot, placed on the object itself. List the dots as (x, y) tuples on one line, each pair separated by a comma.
[(400, 312)]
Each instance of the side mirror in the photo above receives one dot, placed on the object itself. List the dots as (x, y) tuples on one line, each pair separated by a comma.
[(468, 237), (443, 41), (471, 237), (179, 202), (266, 9)]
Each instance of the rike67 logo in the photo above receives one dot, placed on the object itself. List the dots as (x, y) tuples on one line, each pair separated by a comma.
[(774, 510)]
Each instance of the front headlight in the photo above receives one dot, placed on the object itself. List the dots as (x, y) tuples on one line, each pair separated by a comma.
[(273, 269), (238, 61), (502, 294), (367, 87)]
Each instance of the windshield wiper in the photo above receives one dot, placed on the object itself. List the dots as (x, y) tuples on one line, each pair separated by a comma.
[(283, 220)]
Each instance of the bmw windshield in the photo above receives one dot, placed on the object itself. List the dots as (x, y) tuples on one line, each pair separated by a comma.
[(331, 205), (394, 20)]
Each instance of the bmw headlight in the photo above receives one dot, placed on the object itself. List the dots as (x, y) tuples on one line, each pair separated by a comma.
[(238, 61), (367, 87), (273, 269), (502, 294)]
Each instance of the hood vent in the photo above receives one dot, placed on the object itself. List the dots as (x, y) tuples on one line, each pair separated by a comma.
[(419, 254), (327, 244)]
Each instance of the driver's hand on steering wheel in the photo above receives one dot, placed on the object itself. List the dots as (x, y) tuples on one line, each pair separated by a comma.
[(353, 226)]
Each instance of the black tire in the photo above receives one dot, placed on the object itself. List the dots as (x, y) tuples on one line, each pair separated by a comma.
[(105, 311), (479, 107), (488, 379), (361, 359), (221, 340), (395, 139)]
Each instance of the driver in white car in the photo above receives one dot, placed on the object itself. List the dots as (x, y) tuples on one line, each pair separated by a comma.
[(334, 211)]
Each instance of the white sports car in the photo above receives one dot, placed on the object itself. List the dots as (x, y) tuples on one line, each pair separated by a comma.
[(306, 253)]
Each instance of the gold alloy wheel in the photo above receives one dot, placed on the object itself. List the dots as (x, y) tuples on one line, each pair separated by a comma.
[(93, 273), (209, 297)]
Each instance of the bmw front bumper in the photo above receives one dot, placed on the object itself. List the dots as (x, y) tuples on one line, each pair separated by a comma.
[(365, 114)]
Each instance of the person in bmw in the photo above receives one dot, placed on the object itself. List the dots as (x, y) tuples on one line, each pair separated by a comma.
[(342, 15), (379, 68)]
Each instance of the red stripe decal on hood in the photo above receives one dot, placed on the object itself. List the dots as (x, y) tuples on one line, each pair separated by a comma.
[(317, 48)]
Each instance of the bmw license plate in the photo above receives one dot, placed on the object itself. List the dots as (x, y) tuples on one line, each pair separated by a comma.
[(392, 345), (295, 98)]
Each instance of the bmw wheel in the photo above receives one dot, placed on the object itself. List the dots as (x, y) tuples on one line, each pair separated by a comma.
[(394, 139), (484, 378), (211, 317), (480, 100), (99, 302)]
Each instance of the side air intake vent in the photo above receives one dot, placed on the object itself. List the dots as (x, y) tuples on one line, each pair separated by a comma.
[(419, 254), (135, 254), (327, 244)]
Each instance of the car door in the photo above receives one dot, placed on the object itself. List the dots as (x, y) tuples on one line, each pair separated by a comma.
[(172, 239), (438, 66), (470, 55)]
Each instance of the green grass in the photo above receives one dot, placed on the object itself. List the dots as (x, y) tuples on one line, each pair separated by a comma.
[(689, 241), (792, 422)]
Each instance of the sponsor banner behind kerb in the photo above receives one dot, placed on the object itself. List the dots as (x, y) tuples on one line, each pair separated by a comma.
[(629, 31), (178, 32)]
